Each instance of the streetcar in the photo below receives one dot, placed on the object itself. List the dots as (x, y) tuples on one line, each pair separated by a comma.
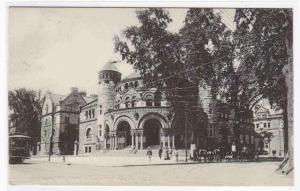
[(19, 148)]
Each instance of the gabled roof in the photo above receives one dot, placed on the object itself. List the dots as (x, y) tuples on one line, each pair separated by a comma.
[(56, 98), (89, 99), (261, 109)]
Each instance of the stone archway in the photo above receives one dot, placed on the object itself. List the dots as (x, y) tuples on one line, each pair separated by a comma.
[(123, 135), (152, 129)]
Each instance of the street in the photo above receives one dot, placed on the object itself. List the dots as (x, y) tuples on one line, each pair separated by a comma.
[(38, 172)]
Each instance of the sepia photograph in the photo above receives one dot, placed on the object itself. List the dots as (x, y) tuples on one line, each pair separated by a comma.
[(150, 96)]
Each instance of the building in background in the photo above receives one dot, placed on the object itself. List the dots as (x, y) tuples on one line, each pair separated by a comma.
[(60, 121), (269, 124)]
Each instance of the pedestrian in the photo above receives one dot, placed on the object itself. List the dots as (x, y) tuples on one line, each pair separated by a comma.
[(160, 151), (176, 155), (171, 152), (274, 153), (149, 153)]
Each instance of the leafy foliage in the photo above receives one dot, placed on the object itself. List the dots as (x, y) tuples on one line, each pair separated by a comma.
[(25, 111)]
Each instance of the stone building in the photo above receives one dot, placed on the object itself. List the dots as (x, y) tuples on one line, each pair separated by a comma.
[(127, 115), (60, 121), (229, 122), (270, 126)]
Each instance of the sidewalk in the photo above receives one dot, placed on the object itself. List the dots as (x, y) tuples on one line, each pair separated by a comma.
[(106, 161)]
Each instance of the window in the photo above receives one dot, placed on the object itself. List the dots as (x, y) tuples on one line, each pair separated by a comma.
[(148, 102), (88, 134), (136, 84), (85, 149), (67, 119), (100, 109), (126, 102), (90, 114), (90, 149), (257, 125), (86, 114), (126, 86), (46, 122), (133, 103), (99, 131), (241, 139), (269, 124), (93, 113), (265, 125)]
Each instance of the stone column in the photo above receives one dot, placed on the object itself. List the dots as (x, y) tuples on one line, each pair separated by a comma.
[(173, 141), (142, 141), (132, 141), (163, 138), (116, 142), (110, 143), (136, 141), (105, 142), (168, 141)]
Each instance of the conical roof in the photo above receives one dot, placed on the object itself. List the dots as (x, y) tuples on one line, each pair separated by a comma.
[(110, 66)]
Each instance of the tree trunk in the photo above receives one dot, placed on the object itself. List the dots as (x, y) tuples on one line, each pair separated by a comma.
[(288, 163)]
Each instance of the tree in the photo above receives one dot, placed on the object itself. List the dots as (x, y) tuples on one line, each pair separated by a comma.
[(156, 53), (263, 39), (25, 112), (208, 50)]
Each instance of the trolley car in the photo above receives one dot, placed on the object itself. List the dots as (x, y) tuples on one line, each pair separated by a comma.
[(18, 148)]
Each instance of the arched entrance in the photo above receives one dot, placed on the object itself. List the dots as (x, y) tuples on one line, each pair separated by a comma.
[(123, 135), (152, 129)]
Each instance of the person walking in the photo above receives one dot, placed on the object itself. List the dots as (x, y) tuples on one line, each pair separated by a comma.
[(176, 155), (160, 151), (149, 153)]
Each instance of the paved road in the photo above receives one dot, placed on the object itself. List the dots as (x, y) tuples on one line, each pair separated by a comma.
[(214, 174)]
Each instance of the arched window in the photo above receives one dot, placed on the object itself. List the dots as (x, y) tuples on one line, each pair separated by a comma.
[(149, 100), (127, 102), (133, 101), (136, 84), (88, 134)]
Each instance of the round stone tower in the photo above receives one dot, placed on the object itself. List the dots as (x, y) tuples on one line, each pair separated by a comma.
[(108, 78)]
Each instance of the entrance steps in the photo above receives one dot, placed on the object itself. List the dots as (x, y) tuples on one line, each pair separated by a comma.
[(128, 152)]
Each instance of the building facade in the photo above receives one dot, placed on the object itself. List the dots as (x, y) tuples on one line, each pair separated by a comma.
[(270, 126), (60, 122), (127, 115), (230, 123)]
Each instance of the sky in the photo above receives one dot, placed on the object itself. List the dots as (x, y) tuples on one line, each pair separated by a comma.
[(59, 48)]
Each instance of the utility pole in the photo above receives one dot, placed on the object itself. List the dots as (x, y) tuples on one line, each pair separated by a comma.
[(52, 132), (185, 112)]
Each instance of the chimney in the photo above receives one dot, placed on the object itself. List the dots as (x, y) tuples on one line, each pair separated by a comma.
[(82, 93), (74, 89), (94, 95)]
